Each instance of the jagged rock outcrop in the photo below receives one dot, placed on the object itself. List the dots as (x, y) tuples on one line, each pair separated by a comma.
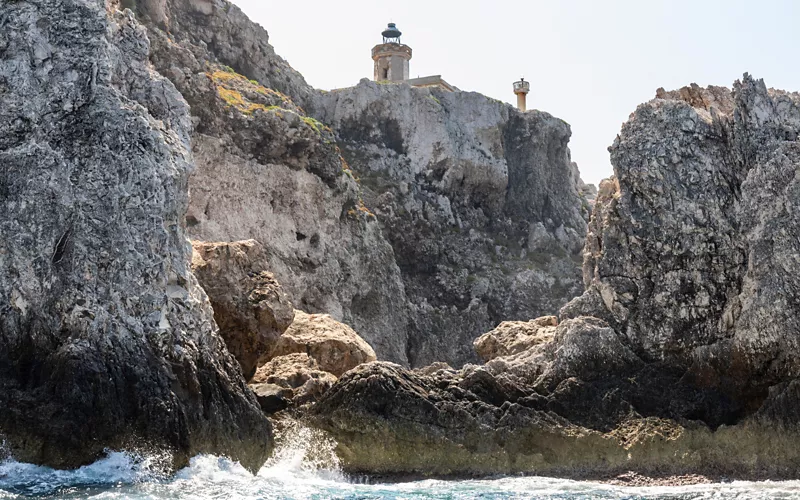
[(479, 202), (250, 307), (587, 191), (692, 256), (307, 360), (680, 357), (334, 346), (474, 423), (213, 30), (106, 340)]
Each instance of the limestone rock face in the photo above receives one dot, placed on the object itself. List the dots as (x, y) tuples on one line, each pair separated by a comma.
[(512, 337), (106, 340), (334, 346), (220, 31), (250, 307), (298, 373), (268, 171), (271, 397), (479, 201), (692, 251)]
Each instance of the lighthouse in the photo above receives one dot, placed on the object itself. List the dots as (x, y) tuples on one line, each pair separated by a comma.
[(521, 88), (391, 57), (391, 62)]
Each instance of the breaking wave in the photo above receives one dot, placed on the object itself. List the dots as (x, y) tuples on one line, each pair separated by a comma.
[(304, 466)]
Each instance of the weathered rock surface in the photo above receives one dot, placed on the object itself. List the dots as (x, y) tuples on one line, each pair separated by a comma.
[(479, 202), (473, 423), (250, 307), (106, 340), (692, 254), (299, 373), (513, 337), (307, 360), (269, 172), (458, 212), (334, 346), (213, 30), (680, 357), (271, 397)]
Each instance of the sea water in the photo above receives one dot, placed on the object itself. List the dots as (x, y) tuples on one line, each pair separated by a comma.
[(304, 467)]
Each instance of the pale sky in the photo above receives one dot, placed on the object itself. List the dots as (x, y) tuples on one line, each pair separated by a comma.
[(589, 62)]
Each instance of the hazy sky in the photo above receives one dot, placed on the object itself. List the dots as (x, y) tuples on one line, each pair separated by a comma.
[(589, 62)]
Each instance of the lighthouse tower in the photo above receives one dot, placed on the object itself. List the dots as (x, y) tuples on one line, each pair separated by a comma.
[(521, 88), (391, 57)]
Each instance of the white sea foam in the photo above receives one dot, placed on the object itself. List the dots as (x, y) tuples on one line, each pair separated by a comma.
[(304, 466), (116, 468)]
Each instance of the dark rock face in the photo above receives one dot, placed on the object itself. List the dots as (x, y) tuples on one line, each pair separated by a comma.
[(479, 421), (680, 357), (272, 398), (694, 254), (105, 338), (250, 307)]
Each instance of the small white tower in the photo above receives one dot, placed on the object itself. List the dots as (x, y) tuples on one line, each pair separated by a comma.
[(521, 88), (391, 57)]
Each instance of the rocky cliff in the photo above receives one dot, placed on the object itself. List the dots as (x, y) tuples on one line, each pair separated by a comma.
[(420, 218), (478, 200), (692, 256), (268, 171), (680, 357), (106, 340)]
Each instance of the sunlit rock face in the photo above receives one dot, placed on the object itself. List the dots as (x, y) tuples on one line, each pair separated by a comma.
[(420, 218), (250, 307), (268, 171), (106, 340)]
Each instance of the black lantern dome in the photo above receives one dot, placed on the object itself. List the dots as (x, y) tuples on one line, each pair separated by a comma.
[(391, 34)]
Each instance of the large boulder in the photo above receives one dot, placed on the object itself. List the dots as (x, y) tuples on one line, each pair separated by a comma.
[(298, 373), (106, 340), (250, 307), (512, 337), (334, 346)]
